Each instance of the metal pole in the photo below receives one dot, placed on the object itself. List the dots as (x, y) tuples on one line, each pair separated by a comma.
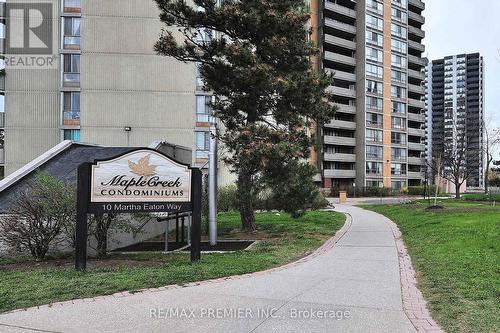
[(212, 191)]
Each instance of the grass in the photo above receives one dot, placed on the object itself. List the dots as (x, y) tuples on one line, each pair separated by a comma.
[(456, 253), (481, 197), (286, 240)]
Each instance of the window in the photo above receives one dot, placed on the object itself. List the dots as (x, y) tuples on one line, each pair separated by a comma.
[(398, 61), (398, 107), (375, 6), (374, 87), (398, 46), (2, 138), (72, 32), (203, 110), (73, 135), (202, 144), (398, 30), (399, 15), (374, 38), (374, 22), (374, 120), (71, 108), (401, 3), (397, 91), (2, 103), (397, 185), (373, 168), (398, 169), (374, 152), (73, 6), (398, 76), (374, 103), (398, 154), (374, 183), (398, 138), (373, 135), (374, 70), (398, 123), (374, 54), (199, 80), (71, 73)]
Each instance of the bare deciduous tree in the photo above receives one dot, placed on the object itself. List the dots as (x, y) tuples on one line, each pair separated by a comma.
[(492, 141)]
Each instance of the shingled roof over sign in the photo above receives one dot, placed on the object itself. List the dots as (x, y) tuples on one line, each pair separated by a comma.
[(62, 162)]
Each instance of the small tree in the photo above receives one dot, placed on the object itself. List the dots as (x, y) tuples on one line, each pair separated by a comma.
[(259, 68), (492, 141), (38, 214)]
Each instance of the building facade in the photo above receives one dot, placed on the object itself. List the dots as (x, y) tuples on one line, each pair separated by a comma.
[(374, 49), (455, 103), (108, 86)]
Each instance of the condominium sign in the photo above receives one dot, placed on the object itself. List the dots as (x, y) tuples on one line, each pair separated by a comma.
[(143, 176)]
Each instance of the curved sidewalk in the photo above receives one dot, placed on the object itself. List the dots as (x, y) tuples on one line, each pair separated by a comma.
[(352, 287)]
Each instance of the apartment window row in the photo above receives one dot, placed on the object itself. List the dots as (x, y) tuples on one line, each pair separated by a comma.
[(71, 108), (399, 31), (374, 152), (398, 138), (374, 135), (401, 3), (202, 144), (399, 15), (375, 6), (398, 169), (375, 38), (374, 168), (399, 61), (398, 92), (375, 71), (375, 183), (398, 123), (398, 154), (398, 185), (398, 107), (374, 120), (71, 73), (72, 32), (374, 87), (398, 76), (374, 54), (72, 134), (374, 22), (203, 109), (399, 46), (374, 103)]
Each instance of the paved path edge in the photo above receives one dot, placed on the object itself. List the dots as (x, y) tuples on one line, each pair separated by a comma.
[(414, 304), (328, 245)]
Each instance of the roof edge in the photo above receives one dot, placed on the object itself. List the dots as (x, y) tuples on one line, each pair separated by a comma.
[(34, 164)]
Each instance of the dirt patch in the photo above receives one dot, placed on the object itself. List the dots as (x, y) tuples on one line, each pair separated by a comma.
[(91, 263)]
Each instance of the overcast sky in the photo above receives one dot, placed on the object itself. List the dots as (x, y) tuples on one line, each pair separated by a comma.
[(467, 26)]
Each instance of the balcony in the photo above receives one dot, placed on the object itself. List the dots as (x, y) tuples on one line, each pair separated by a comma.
[(417, 3), (416, 46), (346, 174), (71, 79), (416, 161), (415, 175), (416, 146), (344, 92), (416, 103), (416, 31), (339, 140), (349, 158), (340, 75), (342, 59), (416, 74), (349, 125), (2, 156), (340, 26), (417, 60), (416, 117), (416, 17), (337, 41), (71, 118), (416, 132), (346, 108), (340, 9), (71, 42), (416, 89)]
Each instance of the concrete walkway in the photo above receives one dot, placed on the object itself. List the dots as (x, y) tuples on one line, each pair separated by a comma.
[(355, 285)]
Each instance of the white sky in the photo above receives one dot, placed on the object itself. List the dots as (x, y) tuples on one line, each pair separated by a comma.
[(467, 26)]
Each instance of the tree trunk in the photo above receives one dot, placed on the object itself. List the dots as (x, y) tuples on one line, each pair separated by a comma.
[(245, 200), (101, 235), (457, 190)]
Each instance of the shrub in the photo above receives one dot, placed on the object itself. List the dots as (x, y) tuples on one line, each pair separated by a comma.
[(38, 215), (226, 199)]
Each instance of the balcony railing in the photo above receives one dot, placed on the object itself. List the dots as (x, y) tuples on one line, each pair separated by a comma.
[(2, 119), (72, 42), (71, 79), (72, 6), (346, 174), (335, 157)]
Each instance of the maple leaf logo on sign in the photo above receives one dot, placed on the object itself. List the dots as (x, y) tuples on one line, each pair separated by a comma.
[(143, 168)]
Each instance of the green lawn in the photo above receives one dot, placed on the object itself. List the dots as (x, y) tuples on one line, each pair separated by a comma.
[(284, 240), (456, 253), (481, 197)]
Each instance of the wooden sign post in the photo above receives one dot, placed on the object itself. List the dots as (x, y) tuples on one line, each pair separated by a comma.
[(140, 181)]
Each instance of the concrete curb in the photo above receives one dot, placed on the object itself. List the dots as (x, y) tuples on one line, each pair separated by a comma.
[(414, 304), (327, 246)]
